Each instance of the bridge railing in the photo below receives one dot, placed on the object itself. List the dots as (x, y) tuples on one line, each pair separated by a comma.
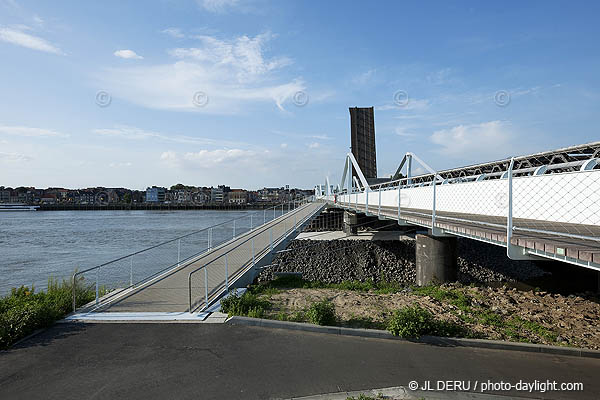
[(129, 271), (528, 200), (213, 278)]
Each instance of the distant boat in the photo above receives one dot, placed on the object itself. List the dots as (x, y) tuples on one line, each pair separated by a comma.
[(17, 207)]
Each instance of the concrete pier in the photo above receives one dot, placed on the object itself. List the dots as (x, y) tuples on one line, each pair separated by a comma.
[(436, 259), (350, 223)]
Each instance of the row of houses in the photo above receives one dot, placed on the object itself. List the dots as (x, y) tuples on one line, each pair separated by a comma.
[(177, 194)]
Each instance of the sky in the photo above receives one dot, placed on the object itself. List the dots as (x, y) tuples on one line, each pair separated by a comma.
[(256, 93)]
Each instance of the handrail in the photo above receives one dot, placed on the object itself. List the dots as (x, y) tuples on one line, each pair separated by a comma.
[(97, 267), (204, 266)]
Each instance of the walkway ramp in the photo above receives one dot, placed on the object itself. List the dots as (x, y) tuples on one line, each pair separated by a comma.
[(196, 283)]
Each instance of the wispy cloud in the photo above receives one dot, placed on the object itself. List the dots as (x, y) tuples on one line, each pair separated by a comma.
[(218, 6), (174, 32), (26, 131), (18, 37), (490, 140), (230, 74), (133, 133), (129, 54), (14, 157)]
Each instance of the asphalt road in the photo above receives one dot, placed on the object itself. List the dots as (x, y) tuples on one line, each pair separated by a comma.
[(206, 361)]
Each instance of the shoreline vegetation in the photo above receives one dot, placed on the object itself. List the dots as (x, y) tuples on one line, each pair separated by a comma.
[(450, 310), (23, 311)]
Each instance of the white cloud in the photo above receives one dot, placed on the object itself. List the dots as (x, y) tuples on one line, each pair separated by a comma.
[(284, 145), (14, 157), (210, 159), (129, 54), (477, 141), (403, 132), (20, 38), (314, 145), (173, 32), (120, 164), (231, 74), (133, 133), (26, 131), (218, 6), (411, 104)]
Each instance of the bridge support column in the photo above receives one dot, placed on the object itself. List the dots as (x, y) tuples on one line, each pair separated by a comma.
[(350, 223), (436, 259)]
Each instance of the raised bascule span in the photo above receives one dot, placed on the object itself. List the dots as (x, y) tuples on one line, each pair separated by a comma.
[(544, 205)]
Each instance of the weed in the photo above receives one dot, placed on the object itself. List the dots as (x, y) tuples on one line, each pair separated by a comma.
[(321, 313), (248, 304)]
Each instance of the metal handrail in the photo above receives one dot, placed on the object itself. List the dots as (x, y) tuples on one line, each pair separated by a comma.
[(97, 267), (204, 266)]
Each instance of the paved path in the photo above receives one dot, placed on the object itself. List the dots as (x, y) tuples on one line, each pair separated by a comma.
[(170, 293), (216, 361)]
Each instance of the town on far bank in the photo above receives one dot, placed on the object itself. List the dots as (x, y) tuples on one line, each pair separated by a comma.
[(176, 195)]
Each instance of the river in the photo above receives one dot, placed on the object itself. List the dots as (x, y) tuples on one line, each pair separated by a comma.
[(36, 245)]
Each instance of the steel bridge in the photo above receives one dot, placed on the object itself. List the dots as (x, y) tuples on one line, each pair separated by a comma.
[(544, 205)]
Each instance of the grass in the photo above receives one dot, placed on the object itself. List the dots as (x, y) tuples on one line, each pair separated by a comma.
[(24, 311), (321, 313), (365, 397), (247, 305), (291, 282)]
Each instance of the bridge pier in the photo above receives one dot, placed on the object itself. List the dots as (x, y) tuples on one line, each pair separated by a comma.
[(435, 259), (350, 223)]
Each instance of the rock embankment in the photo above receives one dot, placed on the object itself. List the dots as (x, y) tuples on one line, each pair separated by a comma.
[(334, 261)]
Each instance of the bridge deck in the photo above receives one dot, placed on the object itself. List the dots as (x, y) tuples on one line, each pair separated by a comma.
[(580, 251), (169, 292)]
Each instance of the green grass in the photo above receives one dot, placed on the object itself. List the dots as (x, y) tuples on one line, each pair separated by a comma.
[(293, 282), (246, 305), (24, 311)]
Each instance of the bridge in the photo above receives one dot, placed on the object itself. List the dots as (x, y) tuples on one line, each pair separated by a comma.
[(181, 278), (538, 206)]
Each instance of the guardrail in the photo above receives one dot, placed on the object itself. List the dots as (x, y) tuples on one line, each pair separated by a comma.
[(245, 253), (560, 200), (133, 269)]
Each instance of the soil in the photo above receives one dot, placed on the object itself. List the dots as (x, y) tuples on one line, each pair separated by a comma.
[(542, 317)]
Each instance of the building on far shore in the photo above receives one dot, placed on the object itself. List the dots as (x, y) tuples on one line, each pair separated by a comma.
[(156, 194), (237, 196)]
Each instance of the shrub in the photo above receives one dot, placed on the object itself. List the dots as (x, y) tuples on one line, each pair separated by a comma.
[(23, 311), (248, 304), (321, 313), (411, 322)]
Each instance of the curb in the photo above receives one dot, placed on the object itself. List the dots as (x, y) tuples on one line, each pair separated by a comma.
[(433, 340)]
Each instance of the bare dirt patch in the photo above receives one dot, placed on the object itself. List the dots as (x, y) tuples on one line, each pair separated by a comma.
[(492, 313)]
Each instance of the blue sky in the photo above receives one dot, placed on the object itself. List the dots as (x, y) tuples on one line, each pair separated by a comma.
[(256, 93)]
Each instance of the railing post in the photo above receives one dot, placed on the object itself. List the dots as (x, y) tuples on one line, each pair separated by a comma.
[(399, 200), (251, 225), (226, 274), (209, 238), (234, 228), (190, 289), (379, 209), (206, 284), (509, 216), (131, 272), (295, 222), (97, 284), (433, 210), (178, 252), (366, 201), (74, 292), (264, 216)]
